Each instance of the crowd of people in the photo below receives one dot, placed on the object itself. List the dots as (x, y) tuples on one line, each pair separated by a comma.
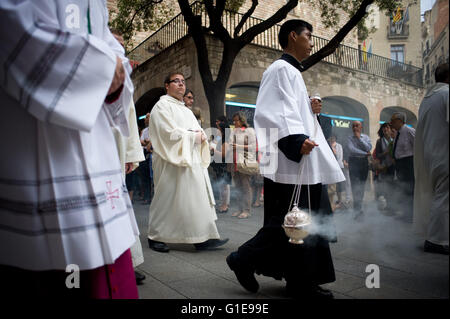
[(76, 162)]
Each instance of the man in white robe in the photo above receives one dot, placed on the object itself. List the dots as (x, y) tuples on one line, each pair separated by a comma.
[(431, 165), (182, 209), (130, 154), (288, 133), (63, 200)]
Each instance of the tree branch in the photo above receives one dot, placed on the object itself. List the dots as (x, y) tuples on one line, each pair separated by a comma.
[(245, 18), (333, 44), (215, 22), (144, 6), (196, 30), (251, 33)]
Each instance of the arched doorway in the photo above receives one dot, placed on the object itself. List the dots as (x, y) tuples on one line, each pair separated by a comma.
[(146, 102), (343, 111), (386, 114), (242, 97)]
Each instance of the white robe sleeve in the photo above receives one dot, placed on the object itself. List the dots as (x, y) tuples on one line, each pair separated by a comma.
[(45, 68), (134, 153), (277, 105), (118, 110), (172, 143)]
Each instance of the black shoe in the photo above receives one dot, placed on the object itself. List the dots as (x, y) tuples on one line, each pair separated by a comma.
[(158, 246), (211, 244), (429, 247), (139, 277), (313, 292), (245, 276)]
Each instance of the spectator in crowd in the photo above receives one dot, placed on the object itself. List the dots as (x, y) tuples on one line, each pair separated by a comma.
[(357, 152), (243, 145), (339, 154), (404, 165), (198, 115), (384, 167), (145, 166), (188, 98), (222, 175), (431, 165), (182, 210)]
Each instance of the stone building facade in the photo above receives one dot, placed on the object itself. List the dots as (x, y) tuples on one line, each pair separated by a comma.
[(435, 39), (397, 35)]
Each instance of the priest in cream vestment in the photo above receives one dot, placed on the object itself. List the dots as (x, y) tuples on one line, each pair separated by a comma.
[(182, 210), (64, 83), (431, 166)]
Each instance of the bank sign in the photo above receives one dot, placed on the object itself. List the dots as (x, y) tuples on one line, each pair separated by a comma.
[(342, 121)]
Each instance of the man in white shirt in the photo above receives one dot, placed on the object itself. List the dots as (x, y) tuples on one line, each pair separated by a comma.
[(356, 155), (404, 165)]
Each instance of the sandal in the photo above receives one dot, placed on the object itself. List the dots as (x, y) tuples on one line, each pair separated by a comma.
[(235, 214), (256, 204), (244, 215), (223, 211)]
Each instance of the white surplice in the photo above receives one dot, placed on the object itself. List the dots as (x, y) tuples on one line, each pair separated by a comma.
[(182, 209), (283, 106), (63, 198), (130, 151), (431, 197)]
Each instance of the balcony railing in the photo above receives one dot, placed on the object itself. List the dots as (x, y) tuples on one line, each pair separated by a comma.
[(344, 56), (397, 31)]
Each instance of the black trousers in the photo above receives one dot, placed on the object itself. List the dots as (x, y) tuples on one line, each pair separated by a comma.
[(269, 252), (404, 169), (358, 170)]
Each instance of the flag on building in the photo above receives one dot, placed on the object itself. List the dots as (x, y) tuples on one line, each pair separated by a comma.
[(364, 54)]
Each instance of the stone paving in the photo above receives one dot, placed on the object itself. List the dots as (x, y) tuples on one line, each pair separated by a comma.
[(406, 271)]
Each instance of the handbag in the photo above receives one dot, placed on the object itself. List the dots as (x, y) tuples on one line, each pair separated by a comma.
[(245, 165)]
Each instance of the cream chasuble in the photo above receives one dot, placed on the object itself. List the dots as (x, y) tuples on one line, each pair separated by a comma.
[(63, 198), (283, 108), (431, 197), (182, 210)]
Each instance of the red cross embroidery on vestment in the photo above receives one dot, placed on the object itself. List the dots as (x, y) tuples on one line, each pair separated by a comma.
[(110, 194)]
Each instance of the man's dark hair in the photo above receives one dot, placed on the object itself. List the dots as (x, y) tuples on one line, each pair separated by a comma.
[(188, 91), (441, 73), (296, 25), (167, 79), (222, 119)]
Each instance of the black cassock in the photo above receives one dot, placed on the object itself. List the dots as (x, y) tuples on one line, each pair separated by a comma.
[(269, 252)]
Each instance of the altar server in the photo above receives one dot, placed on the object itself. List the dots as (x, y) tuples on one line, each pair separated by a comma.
[(283, 107), (64, 82)]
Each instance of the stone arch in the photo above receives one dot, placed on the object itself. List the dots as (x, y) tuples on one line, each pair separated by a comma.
[(146, 102), (242, 97), (343, 111), (386, 114)]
